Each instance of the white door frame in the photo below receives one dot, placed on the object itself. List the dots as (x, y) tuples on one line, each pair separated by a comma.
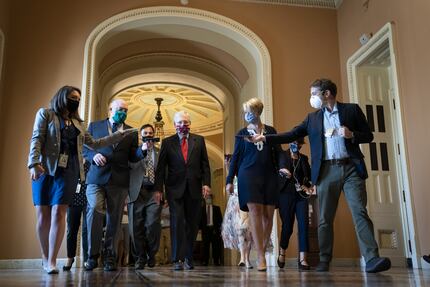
[(407, 209)]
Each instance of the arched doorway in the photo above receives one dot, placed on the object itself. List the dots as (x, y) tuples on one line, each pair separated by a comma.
[(105, 72)]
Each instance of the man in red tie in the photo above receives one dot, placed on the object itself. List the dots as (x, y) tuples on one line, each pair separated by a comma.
[(188, 177)]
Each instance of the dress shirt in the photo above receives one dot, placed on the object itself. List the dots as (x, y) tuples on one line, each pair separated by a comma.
[(334, 144)]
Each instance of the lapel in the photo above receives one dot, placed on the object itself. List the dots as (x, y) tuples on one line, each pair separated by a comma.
[(177, 146), (105, 132), (156, 151), (57, 127), (191, 142), (341, 111)]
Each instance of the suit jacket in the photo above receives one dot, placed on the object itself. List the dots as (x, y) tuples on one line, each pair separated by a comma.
[(216, 218), (137, 170), (175, 174), (116, 169), (45, 142), (351, 116)]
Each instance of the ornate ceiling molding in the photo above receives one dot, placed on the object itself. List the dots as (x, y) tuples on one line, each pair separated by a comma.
[(205, 111), (331, 4), (222, 25)]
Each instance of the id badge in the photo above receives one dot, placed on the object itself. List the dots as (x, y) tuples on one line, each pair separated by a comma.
[(62, 162), (329, 132), (298, 188)]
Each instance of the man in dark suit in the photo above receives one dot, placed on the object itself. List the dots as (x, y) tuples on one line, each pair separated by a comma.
[(211, 232), (107, 184), (335, 131), (188, 177), (144, 213)]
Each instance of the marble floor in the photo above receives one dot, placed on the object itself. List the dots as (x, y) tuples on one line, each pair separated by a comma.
[(215, 276)]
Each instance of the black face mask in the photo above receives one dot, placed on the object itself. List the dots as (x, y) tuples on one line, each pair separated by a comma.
[(72, 105)]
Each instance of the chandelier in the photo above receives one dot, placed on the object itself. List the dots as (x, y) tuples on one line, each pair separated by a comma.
[(159, 123)]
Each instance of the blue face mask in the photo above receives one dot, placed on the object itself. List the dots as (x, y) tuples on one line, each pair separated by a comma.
[(250, 118), (294, 148), (119, 117)]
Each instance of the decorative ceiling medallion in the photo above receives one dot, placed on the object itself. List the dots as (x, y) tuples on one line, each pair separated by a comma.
[(332, 4), (206, 113)]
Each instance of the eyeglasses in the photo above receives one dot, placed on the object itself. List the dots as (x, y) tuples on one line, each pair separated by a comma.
[(316, 93)]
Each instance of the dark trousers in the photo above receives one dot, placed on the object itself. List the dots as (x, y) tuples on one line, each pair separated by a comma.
[(290, 204), (145, 226), (185, 216), (212, 235), (74, 215)]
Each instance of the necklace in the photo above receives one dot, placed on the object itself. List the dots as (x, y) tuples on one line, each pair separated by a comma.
[(259, 145)]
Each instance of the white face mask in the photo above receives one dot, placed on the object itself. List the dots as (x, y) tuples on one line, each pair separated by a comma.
[(316, 102)]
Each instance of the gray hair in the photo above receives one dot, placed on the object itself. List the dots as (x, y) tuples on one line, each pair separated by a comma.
[(180, 114)]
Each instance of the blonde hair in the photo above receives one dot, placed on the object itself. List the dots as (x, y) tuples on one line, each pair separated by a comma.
[(253, 105)]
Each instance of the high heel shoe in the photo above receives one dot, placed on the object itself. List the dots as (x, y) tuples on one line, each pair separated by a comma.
[(68, 267), (51, 270), (302, 267), (261, 267), (241, 264), (281, 264), (248, 265)]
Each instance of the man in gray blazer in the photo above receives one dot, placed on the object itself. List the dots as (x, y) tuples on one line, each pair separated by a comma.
[(144, 212)]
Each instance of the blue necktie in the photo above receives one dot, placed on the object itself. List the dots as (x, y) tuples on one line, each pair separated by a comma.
[(114, 127)]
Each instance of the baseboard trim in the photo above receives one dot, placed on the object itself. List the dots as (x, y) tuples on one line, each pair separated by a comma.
[(26, 263)]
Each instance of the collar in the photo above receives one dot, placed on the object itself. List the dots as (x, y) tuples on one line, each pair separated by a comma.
[(335, 109), (181, 136), (112, 122)]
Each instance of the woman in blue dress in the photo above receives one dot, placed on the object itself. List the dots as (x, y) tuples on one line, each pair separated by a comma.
[(256, 166), (56, 163)]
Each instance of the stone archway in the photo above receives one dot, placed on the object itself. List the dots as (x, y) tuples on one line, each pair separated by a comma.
[(192, 24), (254, 55)]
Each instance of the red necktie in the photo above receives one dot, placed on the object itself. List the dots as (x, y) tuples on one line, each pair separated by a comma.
[(184, 148)]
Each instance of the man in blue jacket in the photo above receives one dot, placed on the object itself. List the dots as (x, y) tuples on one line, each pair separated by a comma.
[(335, 131), (107, 184)]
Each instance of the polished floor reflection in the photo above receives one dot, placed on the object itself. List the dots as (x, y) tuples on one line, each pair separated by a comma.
[(215, 276)]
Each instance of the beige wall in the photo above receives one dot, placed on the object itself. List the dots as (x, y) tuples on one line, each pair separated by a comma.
[(411, 30), (48, 48), (4, 28)]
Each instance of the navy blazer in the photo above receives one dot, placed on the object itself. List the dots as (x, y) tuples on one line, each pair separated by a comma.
[(116, 169), (351, 116), (194, 173)]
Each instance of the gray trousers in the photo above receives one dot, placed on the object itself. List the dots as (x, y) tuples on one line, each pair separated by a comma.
[(334, 179), (144, 221), (109, 200)]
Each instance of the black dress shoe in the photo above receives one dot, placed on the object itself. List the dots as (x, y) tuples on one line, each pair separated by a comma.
[(90, 264), (178, 266), (303, 267), (139, 266), (109, 266), (68, 267), (281, 264), (378, 264), (322, 266), (151, 262), (188, 264), (427, 258)]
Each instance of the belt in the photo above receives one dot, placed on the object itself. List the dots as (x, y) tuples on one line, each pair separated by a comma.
[(340, 161)]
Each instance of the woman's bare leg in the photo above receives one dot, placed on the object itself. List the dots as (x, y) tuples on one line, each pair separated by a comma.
[(256, 224), (43, 225), (56, 233)]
